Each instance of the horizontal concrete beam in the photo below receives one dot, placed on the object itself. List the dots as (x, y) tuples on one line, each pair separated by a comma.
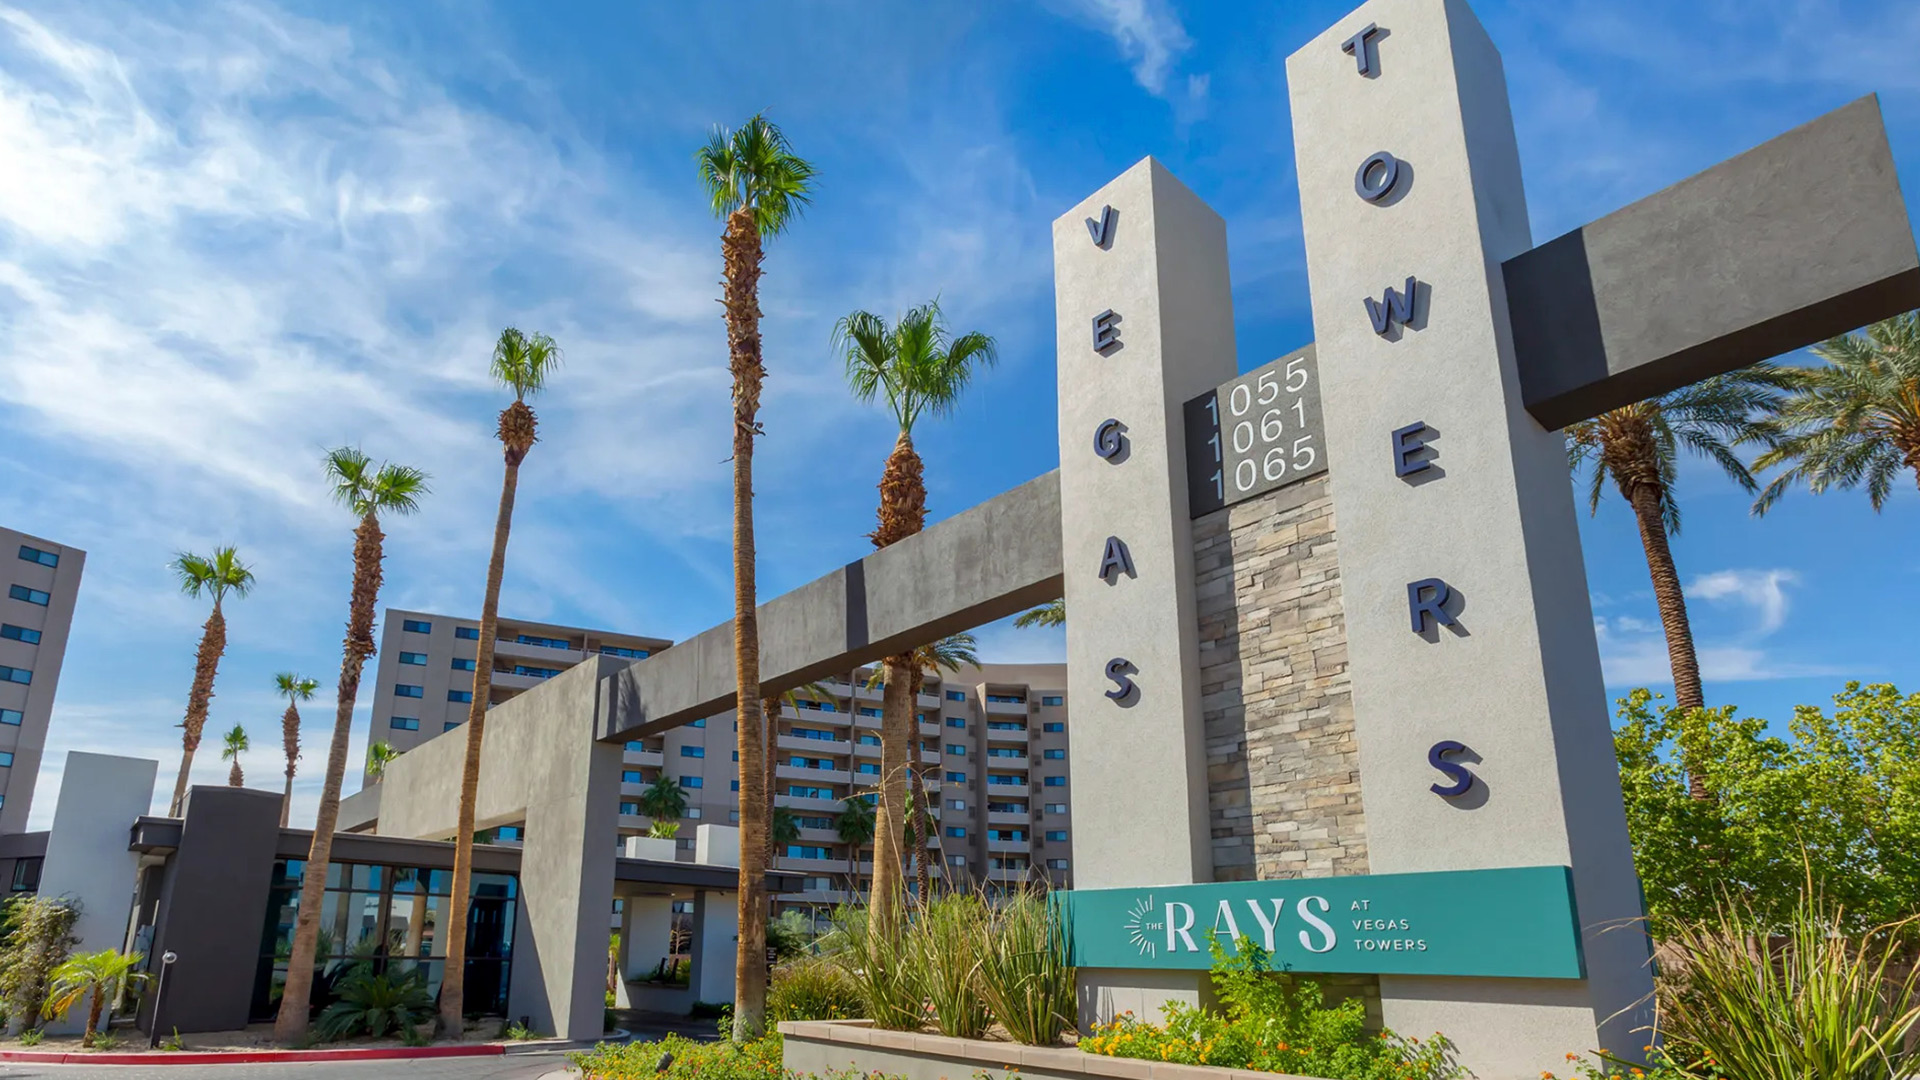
[(995, 560), (1797, 240)]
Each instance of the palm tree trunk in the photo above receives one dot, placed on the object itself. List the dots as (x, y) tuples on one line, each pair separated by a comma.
[(94, 1009), (213, 643), (920, 799), (1687, 693), (454, 981), (295, 1001), (896, 719), (290, 735), (286, 801), (770, 710), (234, 777), (742, 251)]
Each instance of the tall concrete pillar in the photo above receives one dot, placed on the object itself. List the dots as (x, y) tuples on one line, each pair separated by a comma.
[(1410, 175), (716, 941), (646, 933)]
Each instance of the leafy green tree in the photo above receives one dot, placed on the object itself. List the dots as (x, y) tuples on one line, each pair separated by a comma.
[(99, 974), (1837, 800), (231, 747), (664, 800), (295, 689), (1638, 447), (216, 576), (1855, 420), (758, 186), (380, 754), (36, 937), (920, 369)]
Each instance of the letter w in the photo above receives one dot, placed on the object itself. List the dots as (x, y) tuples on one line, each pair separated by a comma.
[(1395, 307)]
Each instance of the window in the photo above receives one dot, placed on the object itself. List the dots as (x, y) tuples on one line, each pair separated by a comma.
[(810, 733), (814, 822), (631, 808), (615, 650), (6, 759), (1054, 755), (736, 755), (543, 642), (869, 740), (922, 717), (1006, 808), (44, 558), (1006, 834), (956, 832), (415, 626), (535, 672), (702, 722), (1053, 727), (458, 664), (1005, 725), (801, 791), (451, 724), (1056, 864), (1004, 780), (1007, 699), (692, 812), (1006, 751), (733, 816), (467, 633), (693, 751), (631, 776), (19, 633), (26, 875), (637, 746), (956, 695), (1055, 781), (31, 596), (868, 768), (1056, 808), (957, 722), (696, 781), (735, 787), (15, 674), (799, 762), (807, 851), (11, 716), (419, 659), (956, 860), (510, 832), (956, 750), (1056, 834), (816, 884), (956, 804), (407, 690), (956, 778), (462, 697), (1052, 699), (404, 723), (867, 711)]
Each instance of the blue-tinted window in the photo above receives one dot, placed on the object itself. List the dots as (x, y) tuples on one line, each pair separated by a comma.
[(11, 716), (463, 665), (956, 832), (416, 626), (869, 711), (868, 768), (543, 642), (1053, 700), (693, 751), (801, 791), (44, 558), (632, 808), (467, 633), (419, 658), (404, 723), (692, 782), (702, 722), (736, 755), (957, 722), (535, 672), (736, 786), (956, 778), (1006, 751), (868, 740), (956, 695), (16, 674), (1055, 781), (408, 690), (637, 745), (460, 697), (1006, 834), (31, 596), (449, 725), (811, 733), (956, 750), (1007, 699), (631, 776), (19, 633), (615, 650), (1005, 725), (1053, 726), (6, 759), (1054, 755), (807, 851), (1056, 834)]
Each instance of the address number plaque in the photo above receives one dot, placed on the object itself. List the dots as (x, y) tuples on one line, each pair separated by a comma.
[(1259, 432)]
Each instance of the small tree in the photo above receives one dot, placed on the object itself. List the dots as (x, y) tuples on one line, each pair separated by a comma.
[(232, 746), (664, 800), (39, 937), (380, 755), (100, 974)]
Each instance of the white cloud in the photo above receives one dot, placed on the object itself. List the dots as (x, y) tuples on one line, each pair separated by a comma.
[(1761, 590), (1148, 33), (1633, 650)]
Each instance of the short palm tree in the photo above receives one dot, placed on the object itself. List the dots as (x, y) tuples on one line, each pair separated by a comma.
[(921, 370), (1638, 446), (783, 828), (855, 824), (232, 746), (758, 186), (101, 975), (664, 799), (215, 575), (380, 754), (1854, 421), (1051, 613), (368, 491), (295, 689), (521, 363)]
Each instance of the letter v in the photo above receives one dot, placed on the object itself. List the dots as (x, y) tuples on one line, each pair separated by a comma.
[(1098, 229)]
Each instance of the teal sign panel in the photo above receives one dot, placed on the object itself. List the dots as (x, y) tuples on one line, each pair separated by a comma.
[(1516, 922)]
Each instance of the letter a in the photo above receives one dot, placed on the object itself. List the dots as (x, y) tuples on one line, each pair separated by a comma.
[(1116, 561)]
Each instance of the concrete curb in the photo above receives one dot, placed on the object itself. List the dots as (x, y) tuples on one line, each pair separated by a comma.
[(244, 1057)]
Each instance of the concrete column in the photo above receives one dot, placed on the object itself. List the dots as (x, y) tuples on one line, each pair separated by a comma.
[(716, 941), (1145, 323), (646, 933), (87, 858), (1512, 671)]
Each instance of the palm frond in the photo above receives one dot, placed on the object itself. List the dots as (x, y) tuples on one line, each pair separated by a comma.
[(522, 362), (1854, 420), (1051, 613), (915, 363), (753, 166)]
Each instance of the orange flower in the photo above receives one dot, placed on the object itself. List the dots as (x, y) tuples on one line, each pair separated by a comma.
[(1573, 1057)]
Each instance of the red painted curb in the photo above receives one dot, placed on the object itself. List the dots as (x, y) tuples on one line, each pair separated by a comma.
[(245, 1057)]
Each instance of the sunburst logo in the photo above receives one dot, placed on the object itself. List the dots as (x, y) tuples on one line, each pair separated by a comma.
[(1139, 926)]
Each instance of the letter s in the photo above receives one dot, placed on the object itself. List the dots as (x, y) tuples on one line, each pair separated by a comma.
[(1315, 921), (1462, 779), (1118, 669)]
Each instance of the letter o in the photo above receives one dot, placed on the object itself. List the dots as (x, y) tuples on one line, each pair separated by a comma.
[(1109, 439), (1376, 176)]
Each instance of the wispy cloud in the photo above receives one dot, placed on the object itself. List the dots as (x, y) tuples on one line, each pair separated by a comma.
[(1150, 36), (1633, 649), (1762, 591)]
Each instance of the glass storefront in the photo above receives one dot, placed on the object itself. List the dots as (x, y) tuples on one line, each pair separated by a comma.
[(387, 919)]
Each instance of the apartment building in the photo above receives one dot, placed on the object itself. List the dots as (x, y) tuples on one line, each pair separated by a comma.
[(43, 581), (993, 749)]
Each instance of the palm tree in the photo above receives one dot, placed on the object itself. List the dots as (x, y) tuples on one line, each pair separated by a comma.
[(368, 491), (664, 799), (215, 575), (100, 974), (233, 746), (521, 363), (758, 186), (380, 754), (921, 370), (295, 689), (1638, 446), (855, 824), (1855, 420), (783, 828), (1051, 613)]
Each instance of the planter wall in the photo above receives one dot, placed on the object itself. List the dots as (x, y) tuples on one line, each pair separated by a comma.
[(818, 1047)]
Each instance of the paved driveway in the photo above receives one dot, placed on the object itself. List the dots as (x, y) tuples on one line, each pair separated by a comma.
[(508, 1067)]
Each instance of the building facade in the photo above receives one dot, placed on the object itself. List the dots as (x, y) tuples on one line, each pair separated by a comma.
[(43, 581), (993, 753)]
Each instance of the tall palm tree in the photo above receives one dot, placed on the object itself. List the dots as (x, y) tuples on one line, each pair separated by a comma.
[(757, 185), (100, 975), (521, 363), (1051, 613), (1855, 420), (1638, 446), (921, 370), (295, 689), (381, 754), (232, 746), (368, 490), (855, 825), (202, 575), (664, 799)]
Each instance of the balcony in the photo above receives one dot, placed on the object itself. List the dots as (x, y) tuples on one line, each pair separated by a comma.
[(815, 716), (1008, 875), (810, 866), (998, 817), (1007, 708), (644, 757), (1007, 735), (812, 747), (1005, 760), (866, 750), (818, 896), (802, 802), (805, 773), (543, 656), (1015, 847), (928, 701), (819, 836), (507, 680)]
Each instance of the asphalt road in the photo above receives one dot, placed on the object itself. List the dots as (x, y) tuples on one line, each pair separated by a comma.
[(508, 1067)]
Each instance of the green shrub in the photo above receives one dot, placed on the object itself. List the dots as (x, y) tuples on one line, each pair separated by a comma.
[(883, 964), (790, 935), (38, 933), (369, 1004), (103, 1041), (946, 940), (519, 1032), (415, 1035), (1023, 971), (758, 1060), (813, 989), (32, 1037), (1273, 1023)]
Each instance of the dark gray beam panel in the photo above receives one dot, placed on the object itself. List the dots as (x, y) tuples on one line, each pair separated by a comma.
[(1790, 243), (995, 560)]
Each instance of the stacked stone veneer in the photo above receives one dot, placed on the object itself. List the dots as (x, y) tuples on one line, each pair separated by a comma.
[(1283, 770)]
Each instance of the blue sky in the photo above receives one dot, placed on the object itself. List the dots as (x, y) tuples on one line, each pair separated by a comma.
[(234, 234)]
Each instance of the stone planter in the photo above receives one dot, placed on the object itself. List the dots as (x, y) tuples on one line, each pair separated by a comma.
[(817, 1047)]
